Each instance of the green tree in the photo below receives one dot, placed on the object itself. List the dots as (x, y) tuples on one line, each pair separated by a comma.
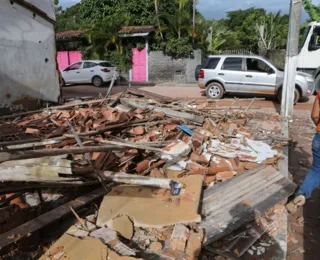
[(243, 23), (69, 19), (142, 12), (103, 35), (312, 10), (178, 24), (220, 35), (275, 30)]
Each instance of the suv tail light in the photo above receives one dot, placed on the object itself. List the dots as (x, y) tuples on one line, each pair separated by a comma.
[(201, 74), (105, 70)]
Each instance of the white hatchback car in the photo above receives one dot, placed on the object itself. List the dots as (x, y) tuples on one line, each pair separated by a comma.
[(96, 72)]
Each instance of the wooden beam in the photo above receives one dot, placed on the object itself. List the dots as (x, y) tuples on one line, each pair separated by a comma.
[(16, 234)]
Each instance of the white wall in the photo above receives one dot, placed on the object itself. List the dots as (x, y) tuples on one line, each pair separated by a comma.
[(28, 55)]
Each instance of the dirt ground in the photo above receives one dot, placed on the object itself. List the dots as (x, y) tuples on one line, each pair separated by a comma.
[(304, 226)]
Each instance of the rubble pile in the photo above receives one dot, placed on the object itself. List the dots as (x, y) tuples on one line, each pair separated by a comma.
[(149, 157)]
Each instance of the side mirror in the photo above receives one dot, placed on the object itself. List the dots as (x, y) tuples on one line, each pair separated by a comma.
[(271, 71)]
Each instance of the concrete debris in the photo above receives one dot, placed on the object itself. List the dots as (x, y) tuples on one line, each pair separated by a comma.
[(154, 158), (179, 238)]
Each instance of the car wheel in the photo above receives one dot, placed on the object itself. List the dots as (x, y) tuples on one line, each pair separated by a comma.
[(297, 96), (97, 81), (215, 90)]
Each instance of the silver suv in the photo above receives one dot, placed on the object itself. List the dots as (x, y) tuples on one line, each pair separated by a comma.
[(222, 74)]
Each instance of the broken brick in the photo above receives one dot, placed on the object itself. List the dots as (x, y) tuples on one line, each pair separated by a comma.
[(156, 173), (197, 142), (32, 131), (139, 130), (195, 243), (143, 165), (179, 237), (198, 158), (156, 246), (222, 176), (168, 253)]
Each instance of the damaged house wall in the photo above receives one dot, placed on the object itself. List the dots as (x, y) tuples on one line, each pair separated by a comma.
[(164, 68), (28, 54)]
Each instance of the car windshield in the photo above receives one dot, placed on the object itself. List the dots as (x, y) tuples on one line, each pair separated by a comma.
[(305, 36)]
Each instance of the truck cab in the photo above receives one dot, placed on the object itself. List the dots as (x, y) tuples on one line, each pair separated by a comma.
[(309, 55)]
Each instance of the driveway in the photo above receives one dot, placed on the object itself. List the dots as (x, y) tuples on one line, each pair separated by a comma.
[(182, 91)]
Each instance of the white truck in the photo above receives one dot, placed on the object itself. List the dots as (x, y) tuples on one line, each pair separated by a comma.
[(309, 55)]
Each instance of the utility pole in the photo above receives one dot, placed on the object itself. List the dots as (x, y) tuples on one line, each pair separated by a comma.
[(194, 21), (288, 90)]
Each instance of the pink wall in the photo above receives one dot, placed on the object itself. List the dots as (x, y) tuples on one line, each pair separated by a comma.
[(139, 65), (65, 58)]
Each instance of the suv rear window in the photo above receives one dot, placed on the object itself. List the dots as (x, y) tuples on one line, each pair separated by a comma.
[(105, 64), (232, 64), (211, 63)]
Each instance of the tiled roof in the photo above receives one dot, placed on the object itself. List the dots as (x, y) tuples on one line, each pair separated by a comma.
[(136, 29), (69, 34)]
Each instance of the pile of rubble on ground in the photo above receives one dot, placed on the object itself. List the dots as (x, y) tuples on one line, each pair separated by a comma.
[(175, 175)]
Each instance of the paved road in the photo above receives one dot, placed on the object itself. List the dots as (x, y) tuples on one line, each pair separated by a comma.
[(184, 91)]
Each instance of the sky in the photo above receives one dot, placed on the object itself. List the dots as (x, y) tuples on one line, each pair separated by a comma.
[(217, 9)]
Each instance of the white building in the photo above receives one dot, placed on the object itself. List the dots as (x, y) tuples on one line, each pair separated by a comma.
[(28, 70)]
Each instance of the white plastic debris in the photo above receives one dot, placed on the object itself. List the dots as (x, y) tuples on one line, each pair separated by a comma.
[(175, 150), (181, 165)]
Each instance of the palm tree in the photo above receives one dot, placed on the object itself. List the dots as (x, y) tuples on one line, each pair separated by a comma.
[(275, 30), (156, 8), (220, 34), (178, 24), (312, 10), (103, 35)]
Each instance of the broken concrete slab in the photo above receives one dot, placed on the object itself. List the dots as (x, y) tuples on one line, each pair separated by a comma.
[(69, 247), (179, 238), (161, 209), (123, 225), (110, 238)]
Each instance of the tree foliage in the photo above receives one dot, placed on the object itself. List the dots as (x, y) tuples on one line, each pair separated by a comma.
[(312, 10), (275, 30), (69, 19), (173, 21)]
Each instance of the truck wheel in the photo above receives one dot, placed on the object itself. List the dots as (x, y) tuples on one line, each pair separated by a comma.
[(97, 81), (215, 90), (296, 96)]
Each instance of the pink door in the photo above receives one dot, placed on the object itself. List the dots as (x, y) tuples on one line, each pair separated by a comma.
[(65, 58), (139, 65)]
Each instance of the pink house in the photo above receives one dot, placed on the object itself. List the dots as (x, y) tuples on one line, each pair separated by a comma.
[(140, 68), (66, 57)]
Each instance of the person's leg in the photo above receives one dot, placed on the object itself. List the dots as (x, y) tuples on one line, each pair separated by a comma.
[(312, 180)]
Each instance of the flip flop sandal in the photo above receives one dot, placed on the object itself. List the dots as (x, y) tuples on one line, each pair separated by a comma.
[(300, 200), (292, 207)]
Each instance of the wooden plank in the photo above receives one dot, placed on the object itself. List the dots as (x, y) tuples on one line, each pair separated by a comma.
[(208, 193), (168, 111), (22, 231), (242, 194), (229, 212), (223, 206)]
